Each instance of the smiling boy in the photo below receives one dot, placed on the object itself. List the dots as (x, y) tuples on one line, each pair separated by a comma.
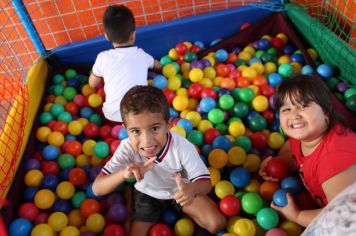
[(167, 167)]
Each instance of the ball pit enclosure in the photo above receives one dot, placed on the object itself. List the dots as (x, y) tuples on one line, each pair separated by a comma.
[(157, 40)]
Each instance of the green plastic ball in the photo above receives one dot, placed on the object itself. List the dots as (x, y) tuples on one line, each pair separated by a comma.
[(96, 119), (70, 73), (165, 60), (69, 93), (216, 116), (286, 70), (58, 90), (222, 128), (244, 142), (267, 218), (226, 102), (66, 161), (78, 198), (45, 117), (56, 109), (246, 94), (101, 149), (350, 92), (58, 78), (351, 103), (257, 123), (65, 116), (251, 202), (195, 137), (240, 109)]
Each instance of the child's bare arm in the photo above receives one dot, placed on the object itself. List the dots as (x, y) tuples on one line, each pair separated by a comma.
[(94, 80), (157, 65), (104, 184)]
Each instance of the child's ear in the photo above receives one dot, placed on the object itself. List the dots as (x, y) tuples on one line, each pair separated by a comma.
[(133, 36), (106, 36), (169, 122)]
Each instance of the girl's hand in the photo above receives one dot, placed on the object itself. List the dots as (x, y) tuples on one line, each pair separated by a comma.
[(139, 169), (263, 172), (290, 211), (185, 194)]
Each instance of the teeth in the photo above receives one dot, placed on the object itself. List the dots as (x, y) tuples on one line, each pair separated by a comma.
[(148, 148), (299, 125)]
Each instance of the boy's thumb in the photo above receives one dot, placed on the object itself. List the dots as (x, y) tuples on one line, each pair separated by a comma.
[(179, 181)]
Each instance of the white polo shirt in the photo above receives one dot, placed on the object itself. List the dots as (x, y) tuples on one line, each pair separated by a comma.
[(178, 155), (121, 68)]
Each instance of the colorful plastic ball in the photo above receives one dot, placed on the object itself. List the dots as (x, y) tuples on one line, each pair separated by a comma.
[(244, 227), (267, 189), (65, 116), (44, 199), (216, 116), (217, 158), (291, 184), (246, 94), (160, 82), (50, 181), (65, 190), (70, 73), (286, 70), (118, 212), (222, 142), (240, 177), (169, 217), (42, 230), (224, 188), (89, 206), (280, 198), (169, 70), (66, 160), (226, 102), (160, 230), (275, 140), (244, 142), (180, 103), (263, 44), (77, 176), (33, 178), (69, 93), (58, 221), (267, 218), (276, 232), (325, 71), (114, 230), (29, 211), (50, 152), (20, 227), (184, 227), (307, 70), (195, 137), (221, 55), (210, 134), (180, 130), (292, 229), (276, 169), (230, 205), (351, 103), (236, 129), (56, 109), (350, 92), (95, 100), (102, 149), (251, 202), (257, 123), (274, 79), (240, 109), (45, 117), (207, 104), (95, 223)]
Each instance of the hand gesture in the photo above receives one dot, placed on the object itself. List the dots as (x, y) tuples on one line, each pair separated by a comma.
[(263, 172), (185, 195), (290, 211), (139, 169)]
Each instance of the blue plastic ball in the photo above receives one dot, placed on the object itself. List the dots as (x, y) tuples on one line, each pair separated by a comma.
[(169, 217), (222, 142), (173, 113), (20, 227), (274, 79), (199, 44), (240, 177), (90, 194), (50, 181), (221, 55), (307, 70), (50, 152), (30, 193), (280, 198), (254, 59), (263, 44), (297, 57), (291, 184), (123, 134), (288, 49), (33, 164), (325, 71), (186, 124), (86, 112), (207, 104), (62, 205), (160, 82)]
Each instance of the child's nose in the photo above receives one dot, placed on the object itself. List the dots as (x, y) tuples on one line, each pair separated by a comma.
[(146, 137)]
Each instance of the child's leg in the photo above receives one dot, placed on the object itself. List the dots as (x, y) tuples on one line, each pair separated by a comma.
[(139, 228), (128, 196), (205, 213)]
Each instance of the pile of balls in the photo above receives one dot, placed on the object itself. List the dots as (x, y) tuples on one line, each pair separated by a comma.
[(222, 103)]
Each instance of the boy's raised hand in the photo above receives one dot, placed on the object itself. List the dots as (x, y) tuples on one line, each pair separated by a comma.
[(139, 169), (185, 194), (290, 211), (263, 172)]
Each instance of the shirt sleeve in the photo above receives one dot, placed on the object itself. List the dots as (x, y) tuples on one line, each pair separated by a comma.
[(122, 157), (98, 65), (147, 58), (193, 164)]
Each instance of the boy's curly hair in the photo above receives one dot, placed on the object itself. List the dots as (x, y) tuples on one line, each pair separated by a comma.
[(142, 98)]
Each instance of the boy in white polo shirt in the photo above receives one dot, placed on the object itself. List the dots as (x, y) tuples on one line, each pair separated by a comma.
[(124, 66), (167, 167)]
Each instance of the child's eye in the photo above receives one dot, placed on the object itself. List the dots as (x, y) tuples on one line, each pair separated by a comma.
[(284, 110), (134, 131), (156, 128)]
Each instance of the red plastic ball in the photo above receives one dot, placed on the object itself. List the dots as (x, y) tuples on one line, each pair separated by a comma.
[(230, 205), (276, 169), (222, 70), (50, 167), (268, 115), (114, 230), (181, 48), (91, 130), (170, 95), (195, 49), (71, 107), (208, 92), (160, 230), (277, 43), (61, 127), (29, 211), (210, 134), (77, 176), (73, 147), (89, 206), (267, 90), (259, 140), (194, 90), (114, 145), (51, 124), (105, 132)]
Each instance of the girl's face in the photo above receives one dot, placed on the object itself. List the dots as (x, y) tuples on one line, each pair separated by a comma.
[(305, 122), (147, 132)]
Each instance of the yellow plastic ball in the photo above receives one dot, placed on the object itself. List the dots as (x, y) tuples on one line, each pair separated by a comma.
[(193, 103), (44, 199), (60, 100), (244, 227), (249, 73), (88, 147), (204, 125), (75, 127), (255, 89), (185, 67), (55, 138), (174, 83), (209, 72), (266, 36), (285, 59), (217, 158), (236, 156), (58, 221), (258, 66), (252, 163), (42, 133), (47, 106), (291, 228), (275, 140), (260, 103), (236, 129), (196, 75), (65, 190), (184, 113), (87, 90), (33, 178), (180, 103), (184, 227), (42, 230), (283, 37), (173, 54), (224, 188), (215, 176), (70, 231), (180, 130), (95, 161), (83, 121), (230, 224), (95, 223), (76, 218), (169, 70), (211, 59), (188, 44), (206, 83), (312, 53), (297, 67), (270, 68), (194, 117), (217, 80), (253, 186), (95, 100), (245, 56), (250, 50), (182, 92), (82, 160)]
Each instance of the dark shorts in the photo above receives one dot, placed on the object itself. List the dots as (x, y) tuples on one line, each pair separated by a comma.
[(149, 209)]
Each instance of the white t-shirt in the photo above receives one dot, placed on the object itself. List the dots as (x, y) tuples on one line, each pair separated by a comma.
[(178, 155), (121, 68)]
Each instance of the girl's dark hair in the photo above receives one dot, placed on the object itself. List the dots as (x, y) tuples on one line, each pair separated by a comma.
[(119, 23), (304, 89), (144, 98)]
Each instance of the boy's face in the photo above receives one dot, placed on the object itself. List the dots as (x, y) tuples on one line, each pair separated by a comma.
[(147, 132)]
